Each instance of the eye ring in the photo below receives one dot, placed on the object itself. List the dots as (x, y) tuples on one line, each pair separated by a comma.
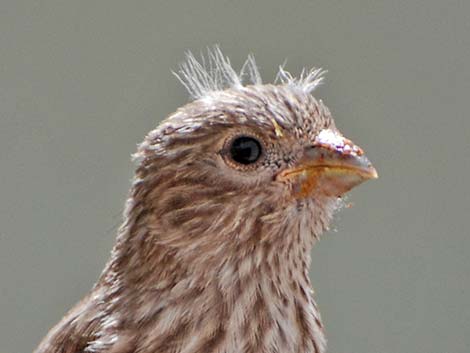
[(244, 150)]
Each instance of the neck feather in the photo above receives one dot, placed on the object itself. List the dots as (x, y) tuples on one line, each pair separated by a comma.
[(200, 299)]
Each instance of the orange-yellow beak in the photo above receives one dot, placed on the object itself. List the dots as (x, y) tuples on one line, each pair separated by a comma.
[(331, 166)]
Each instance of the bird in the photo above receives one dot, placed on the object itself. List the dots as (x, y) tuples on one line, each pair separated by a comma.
[(230, 193)]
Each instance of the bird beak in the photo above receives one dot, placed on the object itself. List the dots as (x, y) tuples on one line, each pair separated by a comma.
[(331, 166)]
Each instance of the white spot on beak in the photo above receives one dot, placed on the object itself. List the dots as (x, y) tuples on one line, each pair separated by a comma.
[(334, 140), (330, 137)]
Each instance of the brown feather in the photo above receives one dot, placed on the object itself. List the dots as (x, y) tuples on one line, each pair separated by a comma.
[(212, 257)]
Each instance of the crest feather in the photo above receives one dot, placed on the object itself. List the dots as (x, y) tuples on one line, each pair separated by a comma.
[(213, 72)]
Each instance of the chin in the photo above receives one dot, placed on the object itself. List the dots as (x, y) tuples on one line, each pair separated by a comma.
[(317, 212)]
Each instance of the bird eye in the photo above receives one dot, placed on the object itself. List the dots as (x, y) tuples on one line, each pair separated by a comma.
[(245, 150)]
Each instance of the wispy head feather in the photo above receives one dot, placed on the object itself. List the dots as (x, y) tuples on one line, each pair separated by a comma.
[(213, 72), (307, 81)]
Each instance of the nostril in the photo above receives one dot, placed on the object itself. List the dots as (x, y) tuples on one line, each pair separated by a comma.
[(312, 147), (312, 151)]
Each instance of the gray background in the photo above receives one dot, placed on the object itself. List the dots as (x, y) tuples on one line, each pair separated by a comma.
[(81, 82)]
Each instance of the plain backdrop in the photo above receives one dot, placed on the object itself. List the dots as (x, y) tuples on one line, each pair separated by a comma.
[(81, 83)]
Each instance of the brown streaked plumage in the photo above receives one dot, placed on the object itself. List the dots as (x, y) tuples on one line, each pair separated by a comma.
[(230, 193)]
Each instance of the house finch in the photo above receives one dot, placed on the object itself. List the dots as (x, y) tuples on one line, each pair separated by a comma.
[(230, 193)]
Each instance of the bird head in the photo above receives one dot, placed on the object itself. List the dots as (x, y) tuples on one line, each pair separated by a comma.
[(229, 195), (245, 166)]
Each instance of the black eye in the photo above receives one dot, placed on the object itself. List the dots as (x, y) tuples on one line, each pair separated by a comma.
[(245, 150)]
